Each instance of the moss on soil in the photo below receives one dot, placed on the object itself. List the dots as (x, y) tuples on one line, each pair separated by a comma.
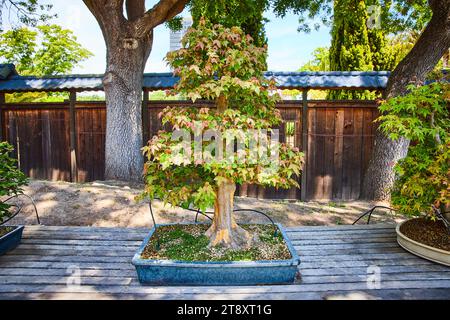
[(189, 243), (431, 233), (5, 230)]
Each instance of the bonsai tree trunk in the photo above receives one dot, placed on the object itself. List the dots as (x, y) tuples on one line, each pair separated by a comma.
[(432, 44), (224, 230)]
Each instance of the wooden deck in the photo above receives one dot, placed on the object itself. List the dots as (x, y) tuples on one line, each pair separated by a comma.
[(335, 263)]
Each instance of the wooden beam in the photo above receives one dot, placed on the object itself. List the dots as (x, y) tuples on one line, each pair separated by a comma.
[(73, 137), (304, 143), (145, 118), (2, 102)]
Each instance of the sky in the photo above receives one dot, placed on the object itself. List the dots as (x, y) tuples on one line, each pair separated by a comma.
[(288, 49)]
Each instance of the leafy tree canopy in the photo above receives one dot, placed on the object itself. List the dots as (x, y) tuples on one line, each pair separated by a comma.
[(246, 14), (320, 60), (396, 16), (45, 50), (27, 12)]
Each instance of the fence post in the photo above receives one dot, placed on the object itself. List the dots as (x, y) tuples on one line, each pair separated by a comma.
[(2, 102), (145, 118), (73, 136), (304, 143)]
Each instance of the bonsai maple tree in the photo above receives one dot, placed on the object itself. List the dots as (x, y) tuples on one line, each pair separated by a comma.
[(423, 176), (221, 65)]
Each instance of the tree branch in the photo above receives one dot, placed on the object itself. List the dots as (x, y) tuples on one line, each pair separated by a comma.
[(108, 13), (135, 9), (433, 42), (164, 10)]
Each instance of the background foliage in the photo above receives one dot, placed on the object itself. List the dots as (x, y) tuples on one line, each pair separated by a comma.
[(11, 179), (42, 51), (246, 14), (25, 12)]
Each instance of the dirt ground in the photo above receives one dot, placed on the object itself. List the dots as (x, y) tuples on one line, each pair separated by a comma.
[(108, 204)]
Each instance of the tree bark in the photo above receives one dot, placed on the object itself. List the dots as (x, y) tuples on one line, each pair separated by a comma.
[(123, 84), (224, 230), (423, 57), (128, 42)]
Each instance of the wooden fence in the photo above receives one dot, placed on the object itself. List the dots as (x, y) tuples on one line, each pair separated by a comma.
[(337, 137)]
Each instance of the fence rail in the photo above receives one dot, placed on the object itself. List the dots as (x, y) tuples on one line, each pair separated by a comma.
[(65, 141)]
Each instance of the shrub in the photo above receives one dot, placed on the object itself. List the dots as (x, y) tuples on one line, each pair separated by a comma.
[(11, 179)]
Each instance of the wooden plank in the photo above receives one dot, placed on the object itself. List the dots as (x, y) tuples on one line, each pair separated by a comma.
[(132, 281), (82, 170), (347, 154), (94, 234), (320, 154), (311, 156), (98, 138), (368, 141), (306, 272), (46, 145), (73, 136), (125, 252), (328, 172), (358, 257), (319, 242), (87, 229), (352, 251), (385, 277), (65, 242), (304, 145), (327, 237), (394, 284), (357, 167), (393, 294), (2, 124), (350, 228), (427, 294), (164, 296), (145, 118)]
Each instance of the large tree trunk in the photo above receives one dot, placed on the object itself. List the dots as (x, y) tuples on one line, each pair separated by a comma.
[(423, 57), (123, 90), (224, 230), (128, 43)]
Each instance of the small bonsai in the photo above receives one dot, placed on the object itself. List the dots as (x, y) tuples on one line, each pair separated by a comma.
[(423, 176), (221, 65), (11, 179)]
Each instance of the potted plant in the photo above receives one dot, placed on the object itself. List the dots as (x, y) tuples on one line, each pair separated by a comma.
[(207, 154), (11, 182), (422, 187)]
